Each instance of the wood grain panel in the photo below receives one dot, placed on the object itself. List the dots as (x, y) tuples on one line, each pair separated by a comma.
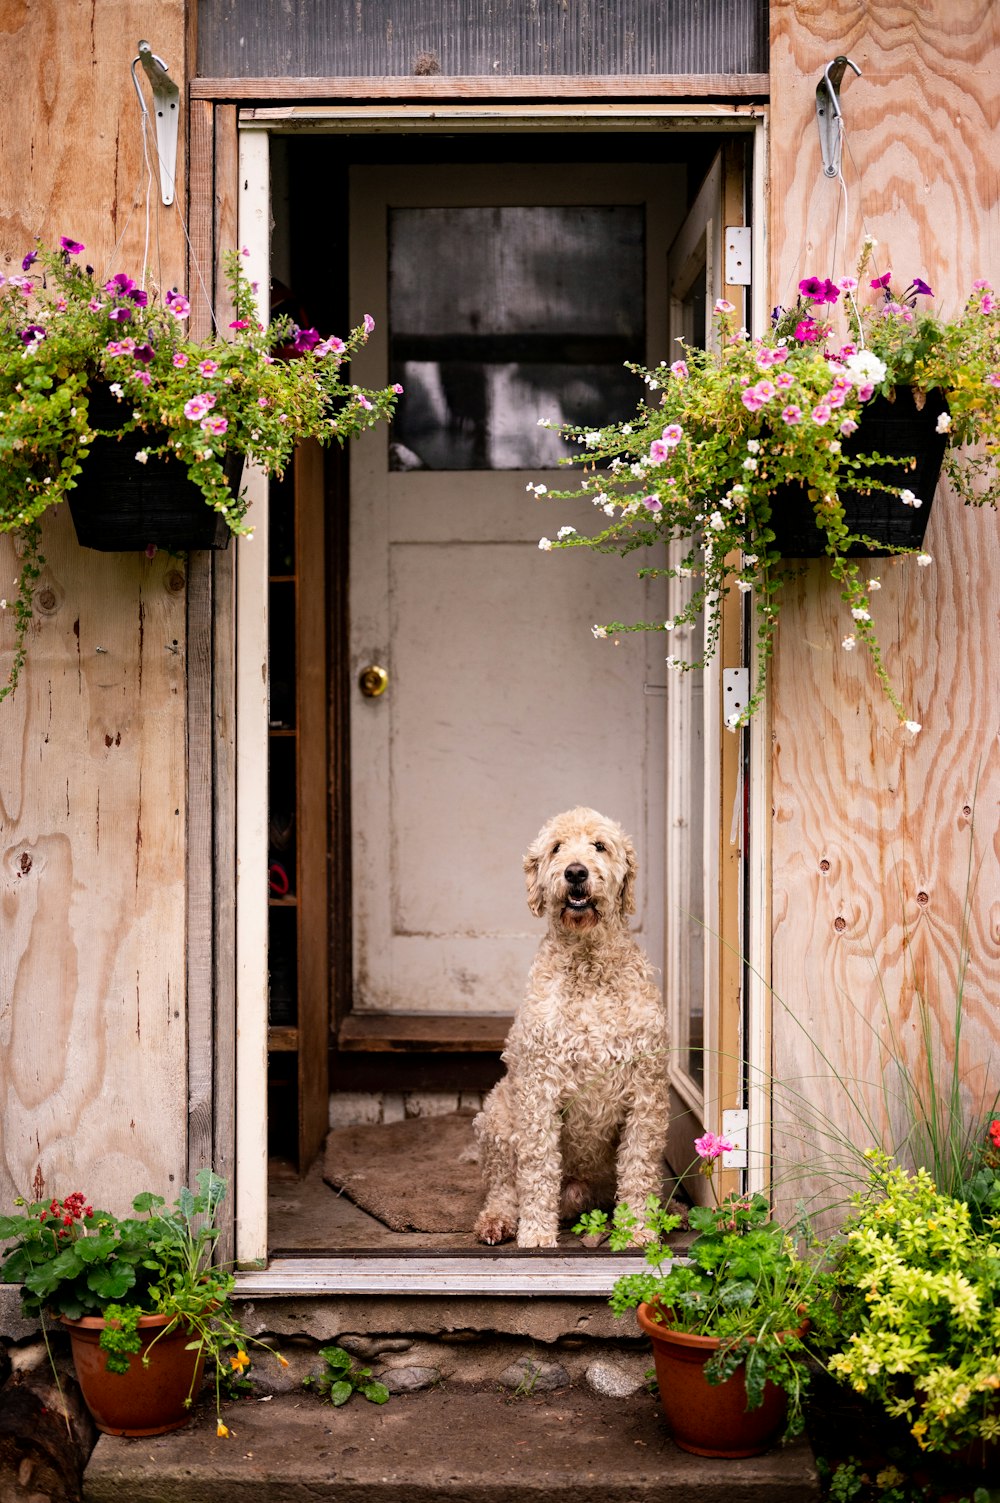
[(359, 89), (872, 829), (92, 769), (92, 1025)]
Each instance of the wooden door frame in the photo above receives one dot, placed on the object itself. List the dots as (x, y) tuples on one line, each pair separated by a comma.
[(230, 147)]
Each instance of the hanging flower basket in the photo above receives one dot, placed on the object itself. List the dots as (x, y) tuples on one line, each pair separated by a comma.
[(121, 504), (903, 432)]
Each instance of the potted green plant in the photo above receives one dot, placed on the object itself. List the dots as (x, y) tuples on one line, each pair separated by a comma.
[(728, 1321), (742, 453), (916, 1286), (143, 1304), (104, 372)]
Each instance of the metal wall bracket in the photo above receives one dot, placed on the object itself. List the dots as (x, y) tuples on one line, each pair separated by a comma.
[(735, 1127), (735, 694), (166, 98), (738, 242), (828, 112)]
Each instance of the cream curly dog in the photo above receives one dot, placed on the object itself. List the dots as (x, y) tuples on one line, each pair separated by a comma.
[(581, 1115)]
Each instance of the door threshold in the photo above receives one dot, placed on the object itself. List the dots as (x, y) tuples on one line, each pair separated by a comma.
[(512, 1276)]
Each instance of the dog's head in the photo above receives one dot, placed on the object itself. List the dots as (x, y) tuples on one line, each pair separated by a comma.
[(580, 870)]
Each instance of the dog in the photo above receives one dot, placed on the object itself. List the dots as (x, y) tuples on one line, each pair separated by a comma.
[(580, 1117)]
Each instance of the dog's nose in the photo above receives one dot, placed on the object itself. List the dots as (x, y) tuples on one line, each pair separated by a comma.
[(576, 874)]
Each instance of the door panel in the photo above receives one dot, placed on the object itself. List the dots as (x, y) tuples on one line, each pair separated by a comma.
[(705, 817), (501, 707)]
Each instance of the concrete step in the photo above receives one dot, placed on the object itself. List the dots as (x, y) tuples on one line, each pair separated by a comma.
[(443, 1445)]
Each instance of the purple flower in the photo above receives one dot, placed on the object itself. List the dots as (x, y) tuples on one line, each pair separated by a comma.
[(921, 287), (139, 297), (881, 283), (820, 291), (369, 323), (32, 334), (807, 331), (305, 340), (71, 247), (177, 303), (120, 285), (120, 315), (143, 353), (29, 260)]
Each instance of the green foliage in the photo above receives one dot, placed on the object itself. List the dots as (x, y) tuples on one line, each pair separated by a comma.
[(917, 1324), (745, 1284), (73, 1260), (698, 464), (341, 1379), (256, 393)]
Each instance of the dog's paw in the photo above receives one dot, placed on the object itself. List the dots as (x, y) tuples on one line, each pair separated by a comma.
[(491, 1228), (536, 1236)]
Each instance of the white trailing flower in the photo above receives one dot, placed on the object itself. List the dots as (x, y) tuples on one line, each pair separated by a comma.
[(860, 614), (866, 367), (599, 631), (849, 642), (943, 423), (924, 560), (566, 532), (545, 544), (912, 726)]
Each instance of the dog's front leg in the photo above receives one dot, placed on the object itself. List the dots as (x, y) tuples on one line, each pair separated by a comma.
[(640, 1151), (539, 1168)]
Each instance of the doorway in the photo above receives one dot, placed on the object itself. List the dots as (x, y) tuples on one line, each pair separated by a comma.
[(451, 596)]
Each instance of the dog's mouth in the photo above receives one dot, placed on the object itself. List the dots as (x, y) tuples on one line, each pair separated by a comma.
[(579, 911)]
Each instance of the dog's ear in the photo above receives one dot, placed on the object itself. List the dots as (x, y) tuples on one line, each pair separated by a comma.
[(532, 862), (626, 898)]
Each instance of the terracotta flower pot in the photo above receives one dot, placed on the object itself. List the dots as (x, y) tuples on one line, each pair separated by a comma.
[(902, 432), (121, 505), (709, 1419), (145, 1400)]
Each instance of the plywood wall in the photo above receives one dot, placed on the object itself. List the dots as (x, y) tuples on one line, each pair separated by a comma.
[(872, 829), (92, 745)]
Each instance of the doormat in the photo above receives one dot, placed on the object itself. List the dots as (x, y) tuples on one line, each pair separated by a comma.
[(419, 1175)]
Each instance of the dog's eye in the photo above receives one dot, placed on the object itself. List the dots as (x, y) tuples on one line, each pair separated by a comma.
[(556, 848), (599, 845)]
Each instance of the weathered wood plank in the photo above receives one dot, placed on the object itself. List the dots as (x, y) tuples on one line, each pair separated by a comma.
[(402, 1032), (872, 829), (740, 86), (92, 771), (512, 1276)]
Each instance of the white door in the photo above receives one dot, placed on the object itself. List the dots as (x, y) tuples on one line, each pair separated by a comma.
[(705, 811), (502, 295)]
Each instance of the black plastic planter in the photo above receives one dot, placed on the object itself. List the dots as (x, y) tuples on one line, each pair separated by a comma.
[(901, 431), (120, 505)]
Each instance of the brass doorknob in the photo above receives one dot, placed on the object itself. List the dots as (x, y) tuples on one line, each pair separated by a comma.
[(373, 681)]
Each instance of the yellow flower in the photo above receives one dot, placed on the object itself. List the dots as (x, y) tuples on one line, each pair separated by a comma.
[(221, 1430), (919, 1430), (283, 1361), (239, 1362)]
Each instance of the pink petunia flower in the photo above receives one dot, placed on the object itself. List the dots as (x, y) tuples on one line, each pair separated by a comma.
[(792, 414), (821, 413), (711, 1146)]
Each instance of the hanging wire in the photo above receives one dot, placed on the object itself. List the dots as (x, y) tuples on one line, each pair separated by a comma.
[(144, 124)]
